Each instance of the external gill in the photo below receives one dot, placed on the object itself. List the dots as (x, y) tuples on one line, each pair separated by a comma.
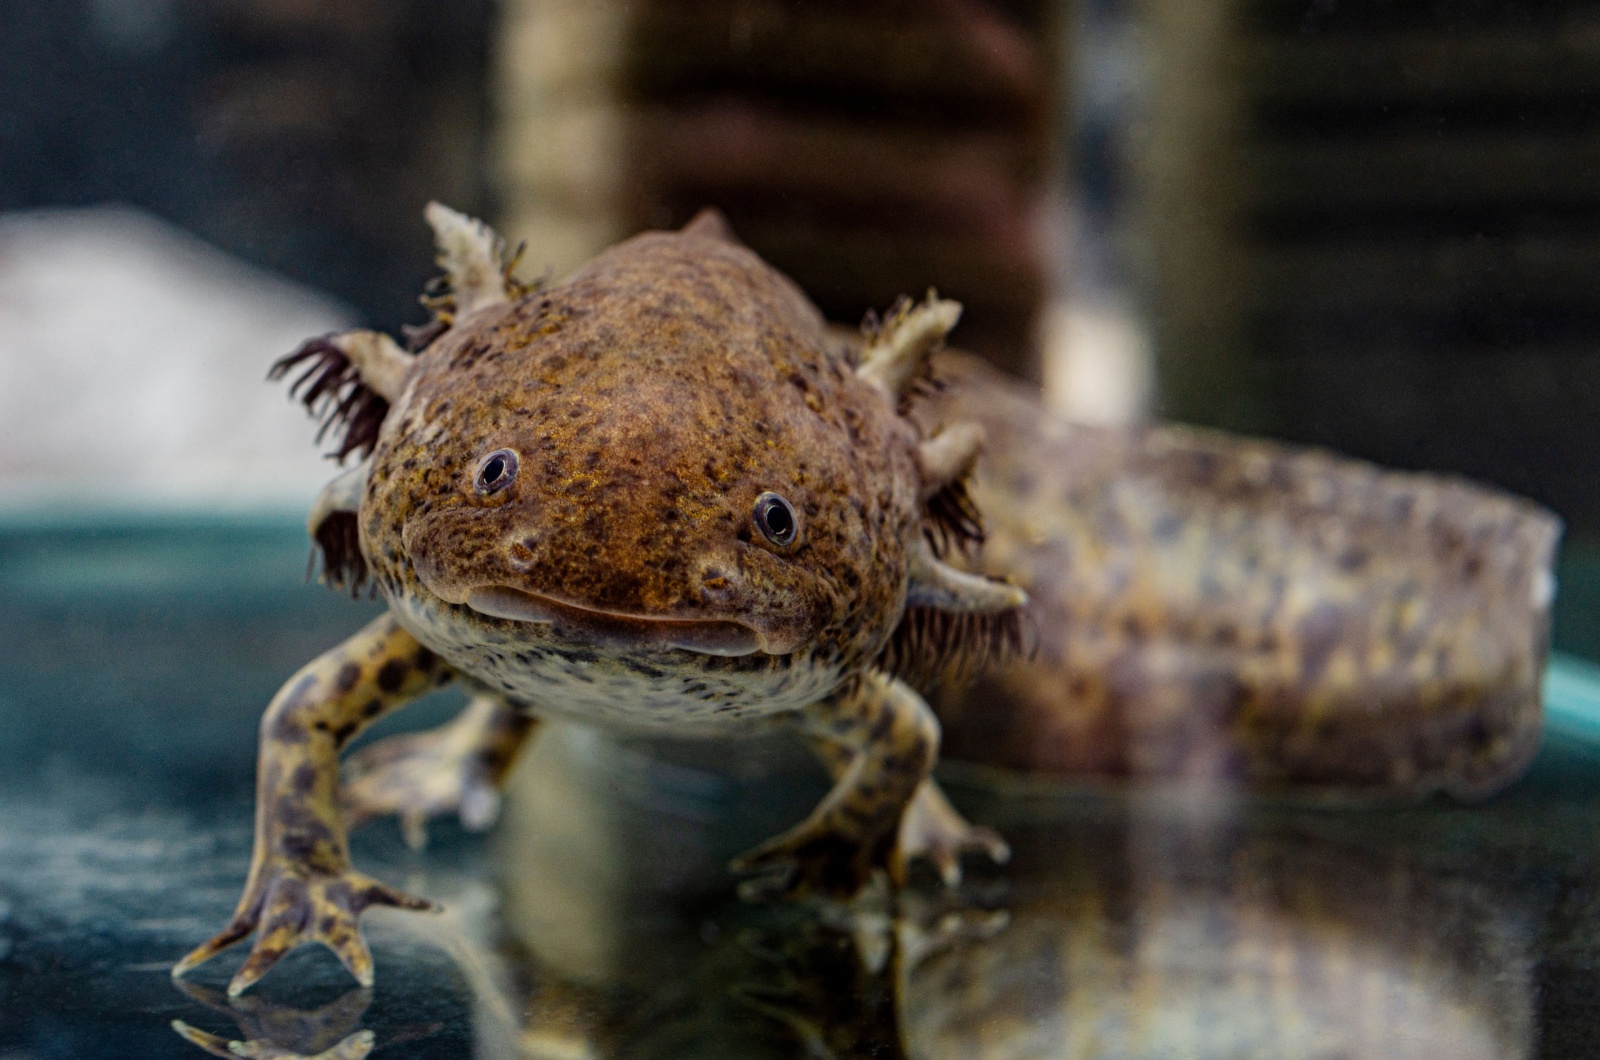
[(335, 534), (349, 382), (351, 379), (478, 269), (955, 622), (952, 522), (897, 356), (896, 362)]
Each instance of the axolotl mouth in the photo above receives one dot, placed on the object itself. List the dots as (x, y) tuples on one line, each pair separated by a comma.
[(704, 636)]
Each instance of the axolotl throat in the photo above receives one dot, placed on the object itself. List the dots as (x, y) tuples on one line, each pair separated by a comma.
[(660, 495)]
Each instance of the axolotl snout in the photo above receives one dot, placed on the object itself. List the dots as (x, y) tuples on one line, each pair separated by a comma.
[(659, 495)]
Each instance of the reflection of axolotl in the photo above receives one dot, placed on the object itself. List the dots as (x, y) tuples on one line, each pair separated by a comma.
[(663, 495)]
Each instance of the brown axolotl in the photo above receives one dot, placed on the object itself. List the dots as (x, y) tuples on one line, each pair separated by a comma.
[(664, 495), (661, 495)]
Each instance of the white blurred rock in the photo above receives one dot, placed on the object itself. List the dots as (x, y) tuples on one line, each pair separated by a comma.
[(133, 359)]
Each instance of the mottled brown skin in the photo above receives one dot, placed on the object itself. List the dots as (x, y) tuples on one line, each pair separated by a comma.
[(458, 768), (301, 885), (619, 576), (1209, 607), (653, 397)]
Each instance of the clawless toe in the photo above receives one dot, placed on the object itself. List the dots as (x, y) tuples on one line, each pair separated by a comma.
[(934, 830)]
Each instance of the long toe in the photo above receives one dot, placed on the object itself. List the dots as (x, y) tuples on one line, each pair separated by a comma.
[(236, 930)]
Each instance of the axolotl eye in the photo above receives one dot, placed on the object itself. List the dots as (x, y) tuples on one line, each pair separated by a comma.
[(776, 519), (495, 472)]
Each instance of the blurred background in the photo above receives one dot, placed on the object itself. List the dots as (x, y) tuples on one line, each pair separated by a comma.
[(1373, 226)]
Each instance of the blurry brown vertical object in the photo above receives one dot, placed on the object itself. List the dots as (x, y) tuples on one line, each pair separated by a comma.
[(869, 150)]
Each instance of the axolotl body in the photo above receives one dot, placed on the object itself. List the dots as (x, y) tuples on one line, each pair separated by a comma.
[(661, 495)]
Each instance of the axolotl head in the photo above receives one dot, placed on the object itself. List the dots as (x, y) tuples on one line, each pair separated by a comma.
[(660, 491)]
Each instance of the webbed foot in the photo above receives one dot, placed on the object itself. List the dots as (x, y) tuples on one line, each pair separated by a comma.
[(933, 829), (415, 777), (289, 904), (457, 768)]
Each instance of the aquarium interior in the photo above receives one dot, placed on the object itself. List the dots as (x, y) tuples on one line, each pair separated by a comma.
[(140, 651)]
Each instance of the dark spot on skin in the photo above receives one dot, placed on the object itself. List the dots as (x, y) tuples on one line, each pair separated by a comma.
[(298, 847), (1478, 734), (300, 823), (642, 669), (1353, 560), (304, 779), (1319, 635), (392, 675), (347, 677), (371, 708), (344, 732), (425, 660)]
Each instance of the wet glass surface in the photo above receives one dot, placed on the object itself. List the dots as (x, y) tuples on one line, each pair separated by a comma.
[(596, 920)]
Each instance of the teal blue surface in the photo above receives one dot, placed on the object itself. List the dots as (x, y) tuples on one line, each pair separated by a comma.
[(135, 658), (1572, 700)]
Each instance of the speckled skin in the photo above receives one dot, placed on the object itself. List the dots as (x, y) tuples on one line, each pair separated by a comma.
[(653, 397), (1228, 610), (458, 768), (301, 885), (621, 578)]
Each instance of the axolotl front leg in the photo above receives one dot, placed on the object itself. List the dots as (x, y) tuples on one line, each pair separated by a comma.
[(459, 768), (880, 740), (301, 886)]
